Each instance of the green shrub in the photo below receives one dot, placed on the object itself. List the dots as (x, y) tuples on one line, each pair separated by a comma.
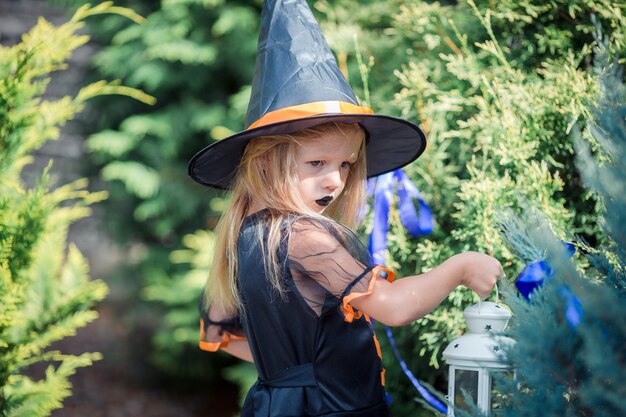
[(566, 363), (498, 87), (45, 289)]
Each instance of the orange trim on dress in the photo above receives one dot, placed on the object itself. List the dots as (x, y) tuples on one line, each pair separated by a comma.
[(308, 110), (378, 350), (215, 346), (350, 314), (348, 310)]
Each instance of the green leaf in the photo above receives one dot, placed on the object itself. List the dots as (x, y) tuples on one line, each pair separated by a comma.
[(139, 179), (183, 50), (111, 142)]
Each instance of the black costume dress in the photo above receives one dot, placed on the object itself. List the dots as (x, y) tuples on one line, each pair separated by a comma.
[(316, 355)]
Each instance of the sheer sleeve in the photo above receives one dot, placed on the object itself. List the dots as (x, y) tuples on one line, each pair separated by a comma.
[(329, 266), (217, 328)]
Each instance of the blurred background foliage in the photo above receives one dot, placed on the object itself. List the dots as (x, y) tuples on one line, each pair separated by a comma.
[(189, 55), (497, 86)]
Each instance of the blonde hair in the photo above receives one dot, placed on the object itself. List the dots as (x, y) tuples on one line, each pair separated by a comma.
[(267, 175)]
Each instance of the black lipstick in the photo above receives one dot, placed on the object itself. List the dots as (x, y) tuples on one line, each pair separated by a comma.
[(324, 201)]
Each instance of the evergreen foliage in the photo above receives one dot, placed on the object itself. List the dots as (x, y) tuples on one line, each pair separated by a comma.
[(565, 367), (177, 335), (188, 55), (498, 109), (498, 87), (45, 289)]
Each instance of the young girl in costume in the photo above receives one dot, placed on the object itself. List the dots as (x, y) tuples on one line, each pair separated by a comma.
[(291, 287)]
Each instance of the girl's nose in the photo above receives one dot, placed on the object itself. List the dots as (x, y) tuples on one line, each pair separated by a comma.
[(332, 180)]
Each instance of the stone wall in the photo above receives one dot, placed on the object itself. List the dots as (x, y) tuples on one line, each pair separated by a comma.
[(67, 152)]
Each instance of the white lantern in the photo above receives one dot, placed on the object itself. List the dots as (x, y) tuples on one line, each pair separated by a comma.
[(475, 356)]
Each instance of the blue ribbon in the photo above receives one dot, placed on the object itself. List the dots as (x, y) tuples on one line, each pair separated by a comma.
[(537, 273), (432, 400), (417, 223), (574, 312), (533, 277)]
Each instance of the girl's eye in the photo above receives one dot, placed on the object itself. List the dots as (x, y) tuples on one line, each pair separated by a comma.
[(346, 164), (317, 163)]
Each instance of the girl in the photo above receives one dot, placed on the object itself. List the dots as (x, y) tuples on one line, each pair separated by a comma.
[(291, 287), (300, 286)]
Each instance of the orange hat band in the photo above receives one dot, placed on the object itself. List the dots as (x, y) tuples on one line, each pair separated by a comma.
[(309, 109)]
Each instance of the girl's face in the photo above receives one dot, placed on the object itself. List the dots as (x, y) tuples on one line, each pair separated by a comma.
[(322, 167)]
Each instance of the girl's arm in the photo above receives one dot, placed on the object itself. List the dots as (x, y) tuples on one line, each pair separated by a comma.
[(406, 300), (239, 348), (223, 331)]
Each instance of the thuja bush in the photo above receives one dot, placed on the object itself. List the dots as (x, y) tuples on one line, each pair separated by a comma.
[(45, 289), (497, 86), (569, 356)]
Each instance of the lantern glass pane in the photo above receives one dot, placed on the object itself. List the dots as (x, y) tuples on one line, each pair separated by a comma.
[(465, 384), (499, 399)]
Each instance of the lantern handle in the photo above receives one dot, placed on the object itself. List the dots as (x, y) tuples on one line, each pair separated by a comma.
[(497, 298), (497, 295)]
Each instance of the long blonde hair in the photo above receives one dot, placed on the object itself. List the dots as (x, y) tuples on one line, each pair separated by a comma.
[(267, 175)]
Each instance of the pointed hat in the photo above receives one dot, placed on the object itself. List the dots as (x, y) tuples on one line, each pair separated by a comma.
[(298, 85)]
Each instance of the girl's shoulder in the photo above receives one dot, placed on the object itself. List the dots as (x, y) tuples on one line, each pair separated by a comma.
[(323, 235), (303, 233)]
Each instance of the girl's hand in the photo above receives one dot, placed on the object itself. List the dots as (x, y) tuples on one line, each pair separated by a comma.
[(479, 272)]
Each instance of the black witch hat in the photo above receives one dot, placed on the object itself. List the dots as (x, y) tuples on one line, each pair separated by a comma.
[(298, 85)]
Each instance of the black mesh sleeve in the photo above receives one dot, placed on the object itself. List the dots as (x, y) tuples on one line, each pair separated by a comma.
[(326, 258)]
